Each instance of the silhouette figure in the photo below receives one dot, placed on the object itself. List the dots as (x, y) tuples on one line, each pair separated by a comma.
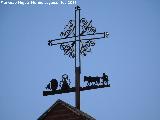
[(105, 79), (65, 82), (91, 80), (53, 85)]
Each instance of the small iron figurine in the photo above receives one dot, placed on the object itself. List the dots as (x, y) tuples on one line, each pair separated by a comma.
[(105, 79), (96, 81), (92, 80), (53, 85), (65, 82)]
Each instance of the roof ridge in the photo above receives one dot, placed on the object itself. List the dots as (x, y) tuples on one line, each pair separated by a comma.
[(77, 111), (73, 109)]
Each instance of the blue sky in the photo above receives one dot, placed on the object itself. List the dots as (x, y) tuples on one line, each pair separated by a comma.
[(130, 57)]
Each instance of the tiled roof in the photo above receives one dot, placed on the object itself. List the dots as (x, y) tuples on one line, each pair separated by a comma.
[(68, 106)]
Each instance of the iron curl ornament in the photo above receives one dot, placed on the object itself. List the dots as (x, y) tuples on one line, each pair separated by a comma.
[(68, 29), (69, 32), (68, 49), (86, 47), (87, 27)]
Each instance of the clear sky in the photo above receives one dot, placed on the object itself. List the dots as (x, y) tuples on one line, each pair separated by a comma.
[(130, 57)]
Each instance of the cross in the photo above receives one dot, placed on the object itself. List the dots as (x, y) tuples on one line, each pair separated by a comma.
[(76, 40)]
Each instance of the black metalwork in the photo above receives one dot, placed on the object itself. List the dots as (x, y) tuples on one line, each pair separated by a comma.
[(86, 29), (91, 81), (53, 85), (76, 40), (68, 49), (72, 89), (68, 29), (65, 82), (86, 47), (105, 79)]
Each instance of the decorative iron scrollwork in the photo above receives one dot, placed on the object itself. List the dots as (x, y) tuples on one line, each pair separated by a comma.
[(68, 29), (83, 36), (68, 49), (87, 27), (86, 47)]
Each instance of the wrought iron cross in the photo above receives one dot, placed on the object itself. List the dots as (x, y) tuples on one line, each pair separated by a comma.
[(77, 39)]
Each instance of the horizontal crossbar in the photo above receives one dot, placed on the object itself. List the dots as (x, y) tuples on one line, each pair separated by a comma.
[(45, 93), (83, 37)]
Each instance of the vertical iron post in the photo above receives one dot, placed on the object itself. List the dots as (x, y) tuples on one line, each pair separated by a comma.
[(77, 57)]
